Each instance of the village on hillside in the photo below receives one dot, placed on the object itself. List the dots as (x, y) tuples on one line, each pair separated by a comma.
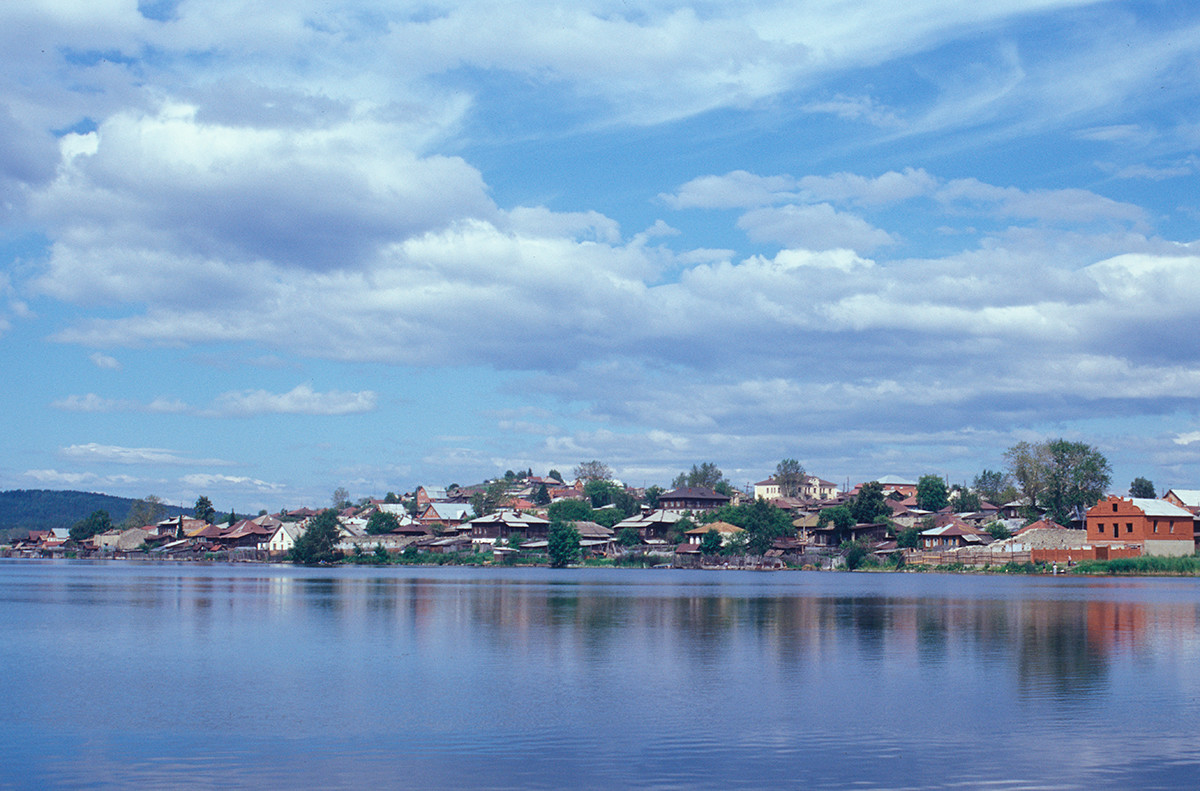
[(791, 519)]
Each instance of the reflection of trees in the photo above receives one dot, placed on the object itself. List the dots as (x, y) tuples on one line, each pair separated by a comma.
[(1054, 655)]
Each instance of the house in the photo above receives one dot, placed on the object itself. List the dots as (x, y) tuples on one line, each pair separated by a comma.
[(445, 515), (828, 535), (1159, 527), (507, 523), (654, 526), (1188, 499), (430, 494), (725, 530), (954, 533), (284, 538), (813, 488), (691, 498)]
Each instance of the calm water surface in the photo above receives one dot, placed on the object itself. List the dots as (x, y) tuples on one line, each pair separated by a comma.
[(186, 676)]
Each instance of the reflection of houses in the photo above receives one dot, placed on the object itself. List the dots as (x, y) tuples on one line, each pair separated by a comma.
[(1159, 527), (507, 524), (954, 533), (691, 498)]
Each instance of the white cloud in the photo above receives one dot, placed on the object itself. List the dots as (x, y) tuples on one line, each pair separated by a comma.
[(227, 482), (813, 227), (114, 454), (300, 400), (105, 361)]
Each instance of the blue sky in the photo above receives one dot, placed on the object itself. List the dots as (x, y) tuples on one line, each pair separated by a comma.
[(259, 250)]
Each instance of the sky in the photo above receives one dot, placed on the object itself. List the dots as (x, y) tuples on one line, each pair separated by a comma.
[(259, 250)]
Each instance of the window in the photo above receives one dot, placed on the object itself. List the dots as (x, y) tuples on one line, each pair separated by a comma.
[(1100, 527), (1114, 508), (1129, 526)]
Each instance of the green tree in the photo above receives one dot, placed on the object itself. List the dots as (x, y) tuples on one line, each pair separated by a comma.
[(964, 499), (555, 474), (707, 475), (489, 500), (233, 517), (381, 554), (562, 544), (1059, 475), (679, 530), (542, 495), (593, 471), (95, 523), (842, 518), (711, 543), (382, 522), (1142, 488), (790, 476), (869, 504), (997, 530), (990, 485), (390, 498), (931, 493), (629, 537), (203, 509), (855, 553), (600, 492), (652, 495), (569, 511), (909, 538), (317, 543)]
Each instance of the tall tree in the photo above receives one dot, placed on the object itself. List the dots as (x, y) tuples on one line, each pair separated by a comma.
[(204, 509), (542, 495), (340, 498), (1143, 488), (147, 511), (790, 476), (1060, 475), (593, 471), (990, 485), (932, 494), (569, 511), (869, 504), (555, 474), (707, 475), (562, 544)]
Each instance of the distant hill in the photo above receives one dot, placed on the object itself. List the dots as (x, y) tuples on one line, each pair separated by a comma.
[(43, 509)]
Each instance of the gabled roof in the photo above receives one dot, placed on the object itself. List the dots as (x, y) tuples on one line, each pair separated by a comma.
[(1189, 497), (510, 518), (724, 528), (692, 493)]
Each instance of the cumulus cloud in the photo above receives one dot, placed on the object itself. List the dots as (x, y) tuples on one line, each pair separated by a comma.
[(813, 227)]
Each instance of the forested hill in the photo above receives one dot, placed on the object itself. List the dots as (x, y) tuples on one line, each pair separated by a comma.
[(42, 509)]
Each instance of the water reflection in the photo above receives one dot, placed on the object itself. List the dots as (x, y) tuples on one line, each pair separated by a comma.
[(533, 678)]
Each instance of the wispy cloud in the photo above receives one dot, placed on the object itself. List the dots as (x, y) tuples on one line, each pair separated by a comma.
[(114, 454), (301, 400)]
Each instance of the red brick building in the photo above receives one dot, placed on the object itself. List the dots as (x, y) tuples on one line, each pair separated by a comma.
[(1157, 526)]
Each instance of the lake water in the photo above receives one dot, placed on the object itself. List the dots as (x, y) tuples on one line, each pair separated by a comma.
[(189, 676)]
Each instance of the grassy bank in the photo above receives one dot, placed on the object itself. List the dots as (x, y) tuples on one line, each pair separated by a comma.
[(1145, 565)]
